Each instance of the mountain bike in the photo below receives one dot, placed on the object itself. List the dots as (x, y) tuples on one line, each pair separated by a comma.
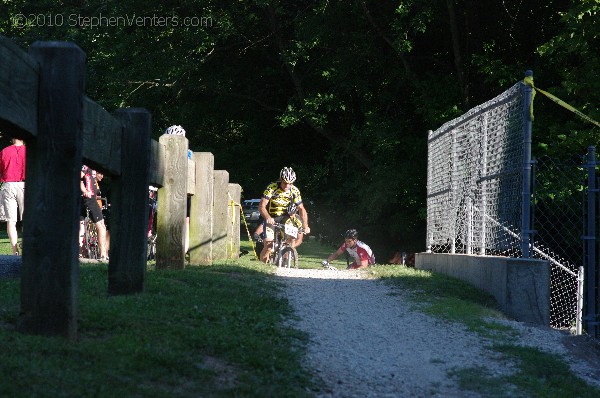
[(91, 248), (283, 253)]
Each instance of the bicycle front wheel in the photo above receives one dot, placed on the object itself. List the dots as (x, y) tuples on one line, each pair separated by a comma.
[(288, 257)]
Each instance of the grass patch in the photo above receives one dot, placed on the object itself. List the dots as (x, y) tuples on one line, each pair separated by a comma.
[(206, 331), (537, 373)]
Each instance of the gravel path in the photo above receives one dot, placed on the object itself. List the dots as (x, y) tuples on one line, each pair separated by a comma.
[(367, 341)]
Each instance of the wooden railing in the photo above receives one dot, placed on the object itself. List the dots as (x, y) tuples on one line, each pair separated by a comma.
[(42, 101)]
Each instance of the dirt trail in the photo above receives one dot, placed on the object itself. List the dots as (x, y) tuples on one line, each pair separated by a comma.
[(366, 340)]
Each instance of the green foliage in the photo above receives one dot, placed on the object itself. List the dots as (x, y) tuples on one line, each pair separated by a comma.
[(343, 92)]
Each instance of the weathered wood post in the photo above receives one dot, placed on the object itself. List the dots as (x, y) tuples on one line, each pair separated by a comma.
[(129, 211), (49, 274), (201, 217), (221, 217), (233, 230), (172, 204)]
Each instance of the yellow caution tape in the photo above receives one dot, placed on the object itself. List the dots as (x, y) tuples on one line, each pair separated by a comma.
[(242, 217), (529, 81)]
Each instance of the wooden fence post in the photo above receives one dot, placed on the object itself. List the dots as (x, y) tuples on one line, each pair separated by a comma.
[(129, 205), (49, 274), (233, 230), (201, 214), (220, 214), (172, 204)]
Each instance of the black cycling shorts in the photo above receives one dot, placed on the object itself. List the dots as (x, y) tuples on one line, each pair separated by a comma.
[(95, 209)]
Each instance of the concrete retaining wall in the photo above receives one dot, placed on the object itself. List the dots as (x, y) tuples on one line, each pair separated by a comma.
[(521, 286)]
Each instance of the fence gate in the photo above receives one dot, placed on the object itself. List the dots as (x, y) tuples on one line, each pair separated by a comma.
[(557, 225)]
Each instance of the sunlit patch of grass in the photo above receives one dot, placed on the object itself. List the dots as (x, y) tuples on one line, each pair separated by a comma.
[(538, 375)]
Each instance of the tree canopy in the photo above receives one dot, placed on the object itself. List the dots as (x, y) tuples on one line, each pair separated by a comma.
[(344, 92)]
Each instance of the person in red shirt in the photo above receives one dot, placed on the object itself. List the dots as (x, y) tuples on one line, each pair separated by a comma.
[(12, 193)]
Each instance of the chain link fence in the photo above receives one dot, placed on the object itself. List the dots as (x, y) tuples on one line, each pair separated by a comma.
[(478, 183), (474, 179), (558, 200)]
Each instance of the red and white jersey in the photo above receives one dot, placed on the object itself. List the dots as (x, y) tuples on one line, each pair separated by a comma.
[(360, 252)]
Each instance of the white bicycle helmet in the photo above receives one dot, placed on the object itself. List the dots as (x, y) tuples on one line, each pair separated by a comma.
[(175, 130), (288, 175)]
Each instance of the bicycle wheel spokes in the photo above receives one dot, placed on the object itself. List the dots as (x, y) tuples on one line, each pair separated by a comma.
[(288, 257)]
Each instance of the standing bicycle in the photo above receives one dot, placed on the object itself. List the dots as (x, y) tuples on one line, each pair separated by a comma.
[(89, 244), (273, 207)]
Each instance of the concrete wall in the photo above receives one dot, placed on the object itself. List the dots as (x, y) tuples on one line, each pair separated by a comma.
[(521, 286)]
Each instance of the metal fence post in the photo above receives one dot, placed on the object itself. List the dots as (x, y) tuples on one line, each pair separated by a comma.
[(484, 184), (590, 243), (526, 191), (580, 290), (453, 190)]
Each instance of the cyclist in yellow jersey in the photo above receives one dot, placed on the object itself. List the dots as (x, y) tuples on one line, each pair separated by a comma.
[(274, 204)]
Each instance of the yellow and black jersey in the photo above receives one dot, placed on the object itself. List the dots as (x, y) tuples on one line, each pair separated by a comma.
[(280, 199)]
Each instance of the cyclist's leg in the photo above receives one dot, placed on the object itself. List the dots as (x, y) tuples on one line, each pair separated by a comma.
[(268, 243), (101, 229)]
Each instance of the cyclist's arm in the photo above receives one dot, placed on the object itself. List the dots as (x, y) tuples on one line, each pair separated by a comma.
[(262, 208), (336, 254), (304, 216)]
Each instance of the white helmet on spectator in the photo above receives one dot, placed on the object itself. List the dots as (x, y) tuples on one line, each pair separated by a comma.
[(175, 130)]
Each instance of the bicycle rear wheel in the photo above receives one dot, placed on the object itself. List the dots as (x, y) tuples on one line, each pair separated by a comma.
[(288, 257), (91, 240)]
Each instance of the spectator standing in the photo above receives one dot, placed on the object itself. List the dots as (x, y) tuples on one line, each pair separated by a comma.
[(104, 206), (88, 193), (12, 193)]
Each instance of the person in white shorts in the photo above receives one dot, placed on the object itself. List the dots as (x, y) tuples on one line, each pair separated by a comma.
[(12, 193)]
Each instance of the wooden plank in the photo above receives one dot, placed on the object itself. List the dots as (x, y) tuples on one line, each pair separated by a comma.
[(221, 217), (157, 164), (172, 204), (191, 177), (201, 212), (49, 274), (102, 135), (129, 206), (19, 76)]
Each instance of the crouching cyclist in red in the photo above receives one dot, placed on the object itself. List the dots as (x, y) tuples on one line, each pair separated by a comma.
[(361, 253)]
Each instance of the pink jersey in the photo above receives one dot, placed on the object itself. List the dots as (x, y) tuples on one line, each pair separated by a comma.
[(12, 163), (360, 252)]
